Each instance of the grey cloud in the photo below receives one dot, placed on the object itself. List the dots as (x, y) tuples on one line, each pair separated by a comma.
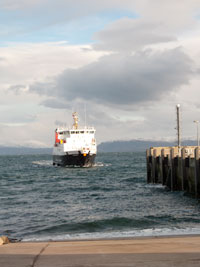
[(130, 34), (47, 88), (17, 88), (123, 80), (94, 112), (59, 123), (17, 117), (54, 103)]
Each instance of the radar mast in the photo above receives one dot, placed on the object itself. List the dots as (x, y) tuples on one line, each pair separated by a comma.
[(75, 117)]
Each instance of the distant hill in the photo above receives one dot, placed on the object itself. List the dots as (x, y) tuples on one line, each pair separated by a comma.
[(136, 145), (23, 150), (115, 146)]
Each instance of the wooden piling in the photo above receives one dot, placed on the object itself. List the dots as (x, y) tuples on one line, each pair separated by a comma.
[(177, 171), (148, 166), (191, 175), (172, 169), (197, 172), (183, 171), (154, 174), (162, 165)]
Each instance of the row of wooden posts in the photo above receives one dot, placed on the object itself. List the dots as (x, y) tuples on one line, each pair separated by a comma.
[(178, 168)]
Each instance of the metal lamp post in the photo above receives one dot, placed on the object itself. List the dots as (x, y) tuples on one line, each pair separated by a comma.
[(197, 123), (178, 128)]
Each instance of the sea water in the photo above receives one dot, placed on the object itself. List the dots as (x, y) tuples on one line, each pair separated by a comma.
[(39, 201)]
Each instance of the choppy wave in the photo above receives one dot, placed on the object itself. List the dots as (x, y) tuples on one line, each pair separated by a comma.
[(117, 227), (96, 226), (150, 232), (110, 200)]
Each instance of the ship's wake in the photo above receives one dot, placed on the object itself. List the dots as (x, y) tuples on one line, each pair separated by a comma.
[(43, 162), (50, 163), (101, 164)]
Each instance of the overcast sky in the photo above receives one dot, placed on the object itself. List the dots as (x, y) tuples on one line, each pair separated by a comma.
[(128, 62)]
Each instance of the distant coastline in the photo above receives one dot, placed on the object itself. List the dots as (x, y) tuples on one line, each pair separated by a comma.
[(5, 150), (137, 145), (113, 146)]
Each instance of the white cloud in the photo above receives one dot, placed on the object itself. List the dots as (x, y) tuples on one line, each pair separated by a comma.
[(128, 94), (21, 65), (171, 14), (17, 4), (25, 63), (121, 79), (129, 34)]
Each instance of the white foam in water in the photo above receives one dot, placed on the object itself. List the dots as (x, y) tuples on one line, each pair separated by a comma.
[(50, 163), (98, 164), (110, 235), (101, 164), (43, 162)]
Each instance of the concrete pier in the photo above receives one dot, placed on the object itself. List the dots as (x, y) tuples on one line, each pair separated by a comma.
[(138, 252), (177, 168)]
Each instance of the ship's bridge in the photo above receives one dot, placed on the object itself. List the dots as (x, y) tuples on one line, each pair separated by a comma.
[(82, 131), (85, 135), (66, 133)]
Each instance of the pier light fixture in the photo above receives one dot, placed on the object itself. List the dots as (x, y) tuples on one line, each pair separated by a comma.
[(197, 123)]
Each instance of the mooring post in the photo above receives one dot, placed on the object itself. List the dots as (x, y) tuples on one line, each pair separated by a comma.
[(159, 167), (172, 168), (162, 165), (151, 164), (154, 165), (147, 164), (183, 174), (197, 172), (149, 178), (160, 170), (168, 170)]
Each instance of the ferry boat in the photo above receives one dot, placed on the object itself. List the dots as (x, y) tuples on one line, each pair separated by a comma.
[(75, 146)]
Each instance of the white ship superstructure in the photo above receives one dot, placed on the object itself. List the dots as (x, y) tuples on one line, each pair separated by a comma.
[(75, 146)]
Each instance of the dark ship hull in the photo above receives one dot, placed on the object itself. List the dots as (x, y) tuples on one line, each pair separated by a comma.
[(72, 160)]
